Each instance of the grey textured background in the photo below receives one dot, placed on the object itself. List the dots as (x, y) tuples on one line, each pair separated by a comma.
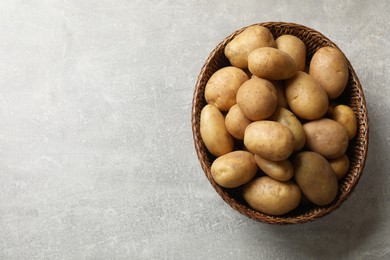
[(96, 152)]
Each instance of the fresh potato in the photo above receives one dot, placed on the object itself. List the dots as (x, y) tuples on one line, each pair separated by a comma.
[(281, 171), (326, 137), (272, 64), (287, 118), (234, 169), (294, 47), (315, 178), (213, 131), (257, 98), (271, 196), (330, 69), (238, 49), (270, 140), (306, 99), (340, 166), (279, 86), (222, 87), (236, 122), (345, 116)]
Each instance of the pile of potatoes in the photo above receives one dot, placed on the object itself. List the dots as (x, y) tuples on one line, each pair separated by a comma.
[(274, 123)]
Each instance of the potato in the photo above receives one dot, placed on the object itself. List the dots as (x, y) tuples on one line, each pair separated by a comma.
[(279, 86), (238, 49), (281, 171), (234, 169), (270, 63), (345, 116), (294, 47), (287, 118), (315, 178), (326, 137), (329, 68), (340, 166), (270, 140), (257, 98), (222, 87), (271, 196), (306, 99), (213, 131), (236, 122)]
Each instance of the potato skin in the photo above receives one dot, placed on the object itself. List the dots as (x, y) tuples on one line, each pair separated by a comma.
[(315, 178), (238, 49), (236, 122), (340, 166), (279, 86), (222, 87), (345, 116), (257, 99), (213, 131), (294, 47), (329, 68), (270, 140), (305, 98), (234, 169), (281, 171), (271, 196), (272, 64), (326, 137), (287, 118)]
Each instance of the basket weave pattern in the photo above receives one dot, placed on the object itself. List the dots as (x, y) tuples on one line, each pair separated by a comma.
[(352, 96)]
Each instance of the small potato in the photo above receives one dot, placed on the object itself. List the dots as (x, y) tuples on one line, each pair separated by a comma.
[(294, 47), (236, 122), (234, 169), (257, 98), (345, 116), (270, 140), (271, 196), (315, 177), (306, 99), (340, 166), (326, 137), (213, 131), (281, 171), (287, 118), (279, 86), (272, 64), (222, 87), (253, 37), (329, 68)]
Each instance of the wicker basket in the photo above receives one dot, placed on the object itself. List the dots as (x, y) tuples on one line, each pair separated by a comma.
[(353, 96)]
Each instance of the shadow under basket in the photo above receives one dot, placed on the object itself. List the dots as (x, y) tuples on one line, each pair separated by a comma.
[(353, 96)]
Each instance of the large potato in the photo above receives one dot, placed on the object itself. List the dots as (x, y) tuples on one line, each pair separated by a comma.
[(236, 122), (222, 87), (281, 171), (326, 137), (330, 69), (294, 47), (340, 166), (270, 63), (251, 38), (234, 169), (213, 131), (306, 99), (270, 140), (271, 196), (315, 177), (287, 118), (345, 116), (257, 99)]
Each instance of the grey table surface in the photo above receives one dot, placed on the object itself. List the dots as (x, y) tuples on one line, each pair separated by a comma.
[(96, 151)]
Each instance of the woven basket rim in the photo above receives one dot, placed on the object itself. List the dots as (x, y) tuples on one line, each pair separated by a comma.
[(313, 39)]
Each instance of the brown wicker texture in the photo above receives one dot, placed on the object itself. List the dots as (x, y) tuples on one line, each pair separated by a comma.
[(353, 96)]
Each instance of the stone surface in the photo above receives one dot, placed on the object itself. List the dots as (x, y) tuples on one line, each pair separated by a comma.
[(96, 153)]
